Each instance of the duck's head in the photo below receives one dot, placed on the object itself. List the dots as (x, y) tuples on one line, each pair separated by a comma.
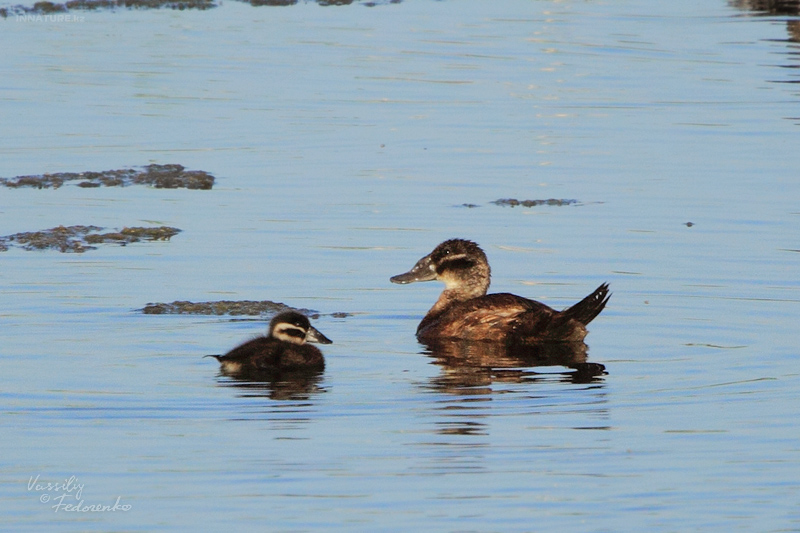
[(458, 263), (294, 327)]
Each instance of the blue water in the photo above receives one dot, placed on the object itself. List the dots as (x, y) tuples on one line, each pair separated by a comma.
[(345, 142)]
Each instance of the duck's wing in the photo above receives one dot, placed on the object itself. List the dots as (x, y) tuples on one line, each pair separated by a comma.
[(492, 317)]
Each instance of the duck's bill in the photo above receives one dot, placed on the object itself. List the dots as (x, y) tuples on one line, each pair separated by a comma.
[(315, 335), (422, 271)]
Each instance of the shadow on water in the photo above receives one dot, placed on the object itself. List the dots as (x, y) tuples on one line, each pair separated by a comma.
[(466, 365)]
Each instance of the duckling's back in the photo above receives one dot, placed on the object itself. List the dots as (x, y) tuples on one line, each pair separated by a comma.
[(269, 354)]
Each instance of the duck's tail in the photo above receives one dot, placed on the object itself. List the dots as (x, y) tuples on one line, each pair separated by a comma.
[(587, 309), (217, 357)]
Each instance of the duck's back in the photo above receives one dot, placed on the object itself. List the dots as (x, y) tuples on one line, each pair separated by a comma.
[(510, 318), (492, 317)]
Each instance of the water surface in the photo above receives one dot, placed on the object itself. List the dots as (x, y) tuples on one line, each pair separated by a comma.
[(345, 142)]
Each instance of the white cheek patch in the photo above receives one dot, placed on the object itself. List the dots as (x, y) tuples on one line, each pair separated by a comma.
[(450, 281), (289, 333), (448, 277)]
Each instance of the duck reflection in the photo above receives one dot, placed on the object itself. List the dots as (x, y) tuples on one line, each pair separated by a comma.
[(474, 375), (470, 367), (774, 7)]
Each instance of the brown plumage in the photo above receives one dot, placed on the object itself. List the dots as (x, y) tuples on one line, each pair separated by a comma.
[(283, 349), (465, 311)]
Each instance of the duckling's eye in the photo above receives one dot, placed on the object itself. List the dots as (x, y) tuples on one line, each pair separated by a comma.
[(446, 251), (294, 332)]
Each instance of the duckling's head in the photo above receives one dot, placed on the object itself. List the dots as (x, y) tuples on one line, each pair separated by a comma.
[(294, 327), (460, 264)]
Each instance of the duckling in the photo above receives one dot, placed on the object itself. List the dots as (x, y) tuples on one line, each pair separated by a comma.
[(284, 349), (465, 311)]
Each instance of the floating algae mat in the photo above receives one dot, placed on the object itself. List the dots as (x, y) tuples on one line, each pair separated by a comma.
[(44, 9), (222, 307), (158, 176), (49, 8), (513, 202), (230, 307), (78, 239)]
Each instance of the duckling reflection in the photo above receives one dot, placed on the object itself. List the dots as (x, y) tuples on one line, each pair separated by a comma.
[(299, 385), (282, 352)]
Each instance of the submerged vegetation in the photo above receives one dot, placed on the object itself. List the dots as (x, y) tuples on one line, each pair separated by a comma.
[(78, 239), (158, 176)]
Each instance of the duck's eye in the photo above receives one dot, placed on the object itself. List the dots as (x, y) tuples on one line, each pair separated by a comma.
[(446, 251)]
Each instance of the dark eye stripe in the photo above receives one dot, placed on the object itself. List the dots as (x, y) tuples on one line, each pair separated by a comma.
[(294, 332), (290, 330), (455, 263)]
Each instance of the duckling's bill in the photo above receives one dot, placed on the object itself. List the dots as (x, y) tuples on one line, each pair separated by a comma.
[(315, 335)]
